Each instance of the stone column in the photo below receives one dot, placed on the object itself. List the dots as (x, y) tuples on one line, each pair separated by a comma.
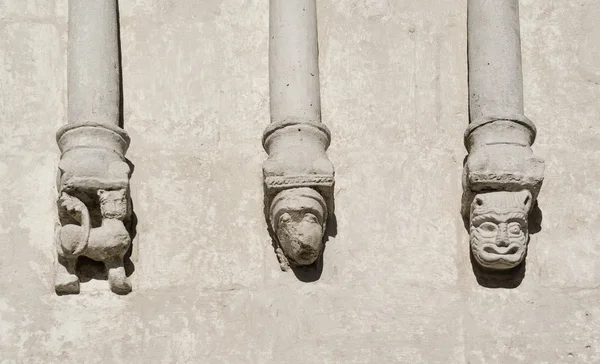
[(93, 178), (93, 62), (294, 61), (495, 72), (298, 176), (502, 177)]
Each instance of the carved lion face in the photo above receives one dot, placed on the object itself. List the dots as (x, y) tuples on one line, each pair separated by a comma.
[(499, 228), (298, 218), (300, 234), (113, 203)]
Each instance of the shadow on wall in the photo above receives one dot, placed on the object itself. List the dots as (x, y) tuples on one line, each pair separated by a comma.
[(120, 60), (312, 273)]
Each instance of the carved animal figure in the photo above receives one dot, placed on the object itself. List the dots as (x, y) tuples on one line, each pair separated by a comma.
[(298, 217), (499, 228), (107, 243)]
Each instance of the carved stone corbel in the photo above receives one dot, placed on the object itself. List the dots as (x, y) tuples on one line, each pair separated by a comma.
[(502, 177), (298, 176), (94, 204)]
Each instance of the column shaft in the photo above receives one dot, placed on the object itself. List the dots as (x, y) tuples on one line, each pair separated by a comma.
[(495, 73), (293, 61), (93, 62)]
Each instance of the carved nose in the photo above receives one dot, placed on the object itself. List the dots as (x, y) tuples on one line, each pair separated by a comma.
[(502, 239)]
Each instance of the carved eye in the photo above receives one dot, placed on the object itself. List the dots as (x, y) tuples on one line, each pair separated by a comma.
[(285, 217), (488, 229), (514, 228), (311, 218)]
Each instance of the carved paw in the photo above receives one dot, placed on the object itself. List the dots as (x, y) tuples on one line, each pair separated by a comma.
[(66, 283), (118, 281)]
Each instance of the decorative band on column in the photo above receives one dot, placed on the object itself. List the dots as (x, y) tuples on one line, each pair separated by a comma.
[(295, 134), (276, 126), (517, 119), (92, 135)]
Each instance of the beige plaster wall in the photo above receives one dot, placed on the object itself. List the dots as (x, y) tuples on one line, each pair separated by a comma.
[(397, 284)]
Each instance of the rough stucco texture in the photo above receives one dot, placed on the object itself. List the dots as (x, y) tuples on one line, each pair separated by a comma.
[(397, 284)]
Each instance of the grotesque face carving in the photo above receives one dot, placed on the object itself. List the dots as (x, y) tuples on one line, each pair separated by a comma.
[(298, 218), (113, 203), (499, 228)]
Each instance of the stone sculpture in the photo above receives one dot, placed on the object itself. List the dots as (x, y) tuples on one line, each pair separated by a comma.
[(298, 176), (499, 228), (94, 204), (502, 177)]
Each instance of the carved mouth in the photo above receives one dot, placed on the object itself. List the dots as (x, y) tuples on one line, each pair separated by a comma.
[(498, 250), (492, 255), (304, 255), (300, 251), (307, 253)]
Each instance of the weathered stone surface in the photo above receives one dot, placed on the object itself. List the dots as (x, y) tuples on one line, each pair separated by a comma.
[(32, 59), (517, 326), (397, 284), (208, 257), (567, 246), (42, 9)]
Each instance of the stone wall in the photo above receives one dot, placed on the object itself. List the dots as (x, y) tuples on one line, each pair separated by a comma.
[(397, 284)]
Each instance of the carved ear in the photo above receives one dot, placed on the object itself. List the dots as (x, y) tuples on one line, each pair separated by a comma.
[(527, 199)]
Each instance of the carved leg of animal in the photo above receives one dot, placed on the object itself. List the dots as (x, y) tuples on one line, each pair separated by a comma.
[(66, 282), (118, 281)]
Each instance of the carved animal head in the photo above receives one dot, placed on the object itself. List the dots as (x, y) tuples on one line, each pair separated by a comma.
[(298, 218), (499, 228), (113, 203)]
